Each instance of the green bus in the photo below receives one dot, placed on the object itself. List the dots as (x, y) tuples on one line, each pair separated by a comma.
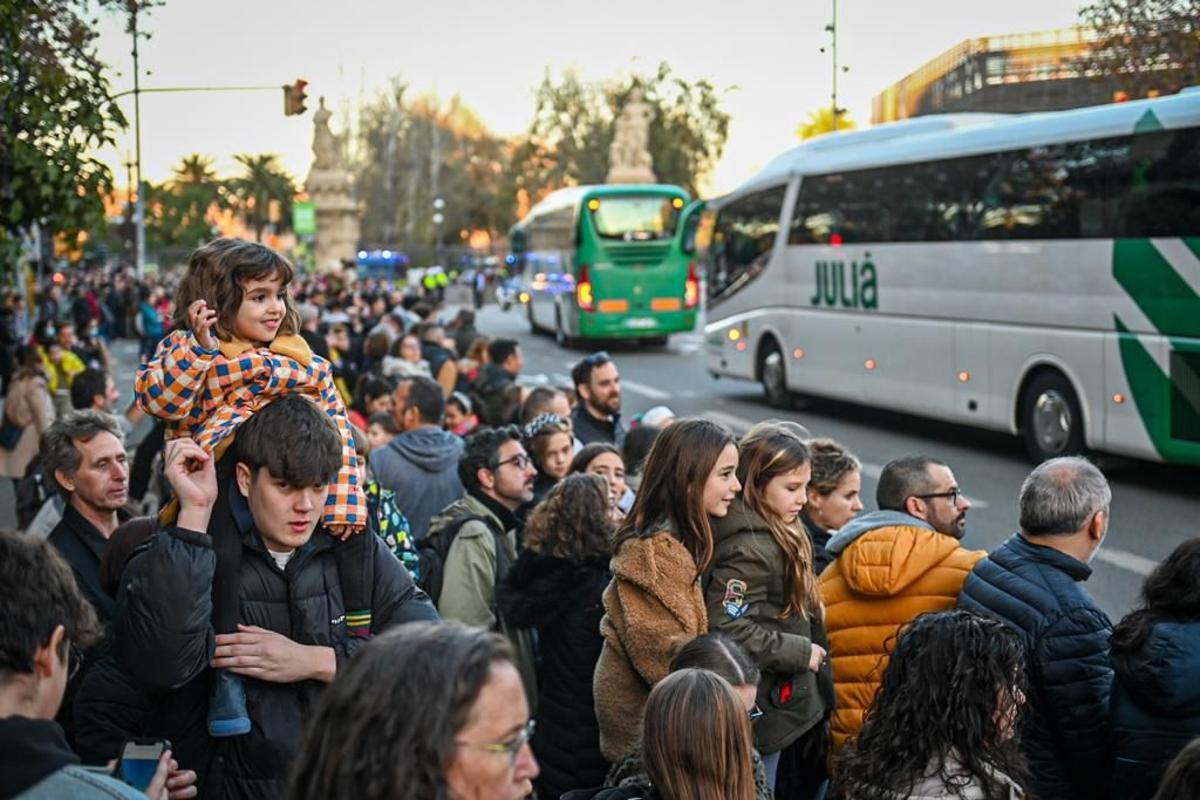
[(607, 262)]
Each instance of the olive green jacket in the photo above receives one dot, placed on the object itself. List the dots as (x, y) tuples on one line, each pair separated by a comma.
[(746, 592)]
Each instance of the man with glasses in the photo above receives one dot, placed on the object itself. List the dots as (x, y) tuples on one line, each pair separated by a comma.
[(498, 475), (597, 415), (1034, 582), (889, 566)]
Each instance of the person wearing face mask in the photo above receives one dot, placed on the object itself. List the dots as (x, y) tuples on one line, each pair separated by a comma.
[(654, 602), (833, 496), (1034, 582), (780, 623)]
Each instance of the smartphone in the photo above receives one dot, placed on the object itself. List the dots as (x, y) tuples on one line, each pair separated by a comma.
[(139, 761)]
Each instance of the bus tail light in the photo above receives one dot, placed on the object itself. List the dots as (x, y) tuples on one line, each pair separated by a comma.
[(691, 288), (584, 297)]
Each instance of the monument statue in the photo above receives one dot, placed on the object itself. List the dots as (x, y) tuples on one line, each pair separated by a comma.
[(629, 156), (330, 190)]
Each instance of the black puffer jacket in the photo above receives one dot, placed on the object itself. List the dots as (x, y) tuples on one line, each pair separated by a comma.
[(109, 709), (1155, 706), (1037, 591), (561, 600), (164, 640)]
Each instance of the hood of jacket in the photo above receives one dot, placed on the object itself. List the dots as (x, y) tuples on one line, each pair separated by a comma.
[(431, 449), (861, 526), (1161, 675), (885, 555)]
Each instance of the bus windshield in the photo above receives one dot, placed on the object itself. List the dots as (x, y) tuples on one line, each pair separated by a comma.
[(635, 219)]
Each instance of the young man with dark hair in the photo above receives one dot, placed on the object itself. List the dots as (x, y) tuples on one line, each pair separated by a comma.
[(293, 635), (45, 623), (95, 389), (421, 463), (889, 566), (498, 475), (597, 414), (496, 378), (545, 400)]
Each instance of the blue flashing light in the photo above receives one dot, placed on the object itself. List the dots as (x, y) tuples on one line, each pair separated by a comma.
[(362, 255), (387, 255), (510, 259)]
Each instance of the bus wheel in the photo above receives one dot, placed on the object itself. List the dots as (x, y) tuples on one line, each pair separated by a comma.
[(560, 333), (1051, 421), (772, 374)]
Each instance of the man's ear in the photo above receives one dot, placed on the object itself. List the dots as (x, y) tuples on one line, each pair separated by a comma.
[(67, 482), (45, 658), (486, 478), (582, 392), (1098, 525), (244, 476), (914, 507)]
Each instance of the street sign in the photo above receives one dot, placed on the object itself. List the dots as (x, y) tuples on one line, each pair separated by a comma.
[(304, 219)]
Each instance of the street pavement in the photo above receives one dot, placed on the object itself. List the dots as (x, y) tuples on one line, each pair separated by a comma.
[(1154, 506)]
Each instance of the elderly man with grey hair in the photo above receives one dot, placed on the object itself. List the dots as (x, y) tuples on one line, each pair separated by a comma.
[(1033, 582)]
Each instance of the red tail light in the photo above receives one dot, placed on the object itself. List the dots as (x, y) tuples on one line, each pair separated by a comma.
[(584, 296), (691, 288)]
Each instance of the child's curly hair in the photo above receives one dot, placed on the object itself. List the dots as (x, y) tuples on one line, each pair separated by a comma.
[(219, 271)]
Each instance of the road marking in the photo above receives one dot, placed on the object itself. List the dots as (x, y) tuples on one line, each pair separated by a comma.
[(1123, 559), (644, 390)]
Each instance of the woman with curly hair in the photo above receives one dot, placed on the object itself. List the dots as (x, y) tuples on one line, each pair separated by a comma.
[(555, 588), (944, 721), (1155, 658)]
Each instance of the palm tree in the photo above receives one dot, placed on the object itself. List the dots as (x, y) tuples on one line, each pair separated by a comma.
[(263, 182), (820, 122), (195, 170)]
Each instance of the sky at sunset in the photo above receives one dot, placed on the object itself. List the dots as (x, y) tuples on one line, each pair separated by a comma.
[(494, 53)]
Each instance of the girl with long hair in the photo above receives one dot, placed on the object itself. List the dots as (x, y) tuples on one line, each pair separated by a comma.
[(763, 594), (661, 549), (555, 588), (944, 722), (834, 495), (1155, 708), (549, 440)]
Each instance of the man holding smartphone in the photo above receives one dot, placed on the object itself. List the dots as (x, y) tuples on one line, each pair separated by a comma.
[(45, 622), (294, 635)]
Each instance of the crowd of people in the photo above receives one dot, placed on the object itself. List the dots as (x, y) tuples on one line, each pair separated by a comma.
[(358, 555)]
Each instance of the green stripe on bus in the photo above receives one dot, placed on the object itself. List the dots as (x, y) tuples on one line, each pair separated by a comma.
[(1159, 291), (1147, 383)]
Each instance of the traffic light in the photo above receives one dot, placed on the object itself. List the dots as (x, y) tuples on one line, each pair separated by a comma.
[(294, 97)]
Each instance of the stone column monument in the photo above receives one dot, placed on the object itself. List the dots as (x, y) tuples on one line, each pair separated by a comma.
[(329, 188), (629, 157)]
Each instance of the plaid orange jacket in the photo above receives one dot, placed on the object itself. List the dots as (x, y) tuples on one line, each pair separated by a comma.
[(207, 394)]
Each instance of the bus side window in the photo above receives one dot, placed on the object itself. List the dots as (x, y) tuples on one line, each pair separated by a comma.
[(743, 237)]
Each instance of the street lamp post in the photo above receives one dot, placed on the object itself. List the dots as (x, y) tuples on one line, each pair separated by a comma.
[(140, 209), (438, 219)]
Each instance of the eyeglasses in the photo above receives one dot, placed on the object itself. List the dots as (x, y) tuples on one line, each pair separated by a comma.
[(755, 713), (954, 495), (74, 662), (511, 748), (520, 461)]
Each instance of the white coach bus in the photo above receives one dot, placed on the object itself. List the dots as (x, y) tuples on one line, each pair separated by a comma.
[(1037, 274)]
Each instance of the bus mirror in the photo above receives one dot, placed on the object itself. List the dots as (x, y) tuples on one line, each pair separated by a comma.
[(689, 220)]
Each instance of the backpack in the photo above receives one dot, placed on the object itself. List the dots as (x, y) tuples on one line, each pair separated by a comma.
[(433, 549), (33, 490)]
